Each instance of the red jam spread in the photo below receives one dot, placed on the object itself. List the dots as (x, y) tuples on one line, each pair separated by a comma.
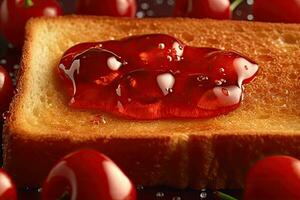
[(154, 76)]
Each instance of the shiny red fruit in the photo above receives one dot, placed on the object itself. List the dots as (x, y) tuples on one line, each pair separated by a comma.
[(116, 8), (6, 90), (275, 177), (87, 174), (15, 13), (8, 189), (277, 11), (215, 9), (154, 76)]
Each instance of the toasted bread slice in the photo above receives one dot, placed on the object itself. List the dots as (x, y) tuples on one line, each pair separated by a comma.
[(213, 153)]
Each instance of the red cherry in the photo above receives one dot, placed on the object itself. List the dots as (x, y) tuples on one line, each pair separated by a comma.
[(87, 174), (117, 8), (216, 9), (6, 90), (8, 189), (15, 13), (275, 177), (277, 11)]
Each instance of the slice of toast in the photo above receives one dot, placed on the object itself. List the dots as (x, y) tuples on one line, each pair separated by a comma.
[(214, 153)]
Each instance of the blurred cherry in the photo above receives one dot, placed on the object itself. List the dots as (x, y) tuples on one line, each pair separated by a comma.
[(215, 9), (8, 189), (6, 90), (87, 174), (116, 8)]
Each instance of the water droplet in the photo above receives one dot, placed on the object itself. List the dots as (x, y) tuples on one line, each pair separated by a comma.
[(159, 1), (250, 17), (221, 70), (14, 81), (161, 45), (169, 90), (3, 61), (145, 6), (223, 80), (16, 66), (203, 195), (170, 2), (139, 187), (169, 58), (178, 58), (160, 194), (5, 115), (202, 78), (250, 2)]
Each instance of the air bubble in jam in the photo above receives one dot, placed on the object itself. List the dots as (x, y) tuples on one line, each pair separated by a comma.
[(154, 77), (218, 82), (161, 45)]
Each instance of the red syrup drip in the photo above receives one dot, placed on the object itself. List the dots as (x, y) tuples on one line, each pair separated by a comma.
[(153, 77)]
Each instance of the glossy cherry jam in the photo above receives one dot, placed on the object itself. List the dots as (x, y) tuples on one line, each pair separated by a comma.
[(154, 76)]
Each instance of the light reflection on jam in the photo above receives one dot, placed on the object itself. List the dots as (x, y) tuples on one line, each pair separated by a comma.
[(154, 76)]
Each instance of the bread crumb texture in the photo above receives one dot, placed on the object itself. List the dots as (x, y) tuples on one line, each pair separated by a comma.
[(271, 102)]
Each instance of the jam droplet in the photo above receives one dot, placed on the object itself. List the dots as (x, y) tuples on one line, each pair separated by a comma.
[(154, 76)]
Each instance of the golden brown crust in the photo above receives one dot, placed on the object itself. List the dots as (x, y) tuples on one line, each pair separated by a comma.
[(212, 153)]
